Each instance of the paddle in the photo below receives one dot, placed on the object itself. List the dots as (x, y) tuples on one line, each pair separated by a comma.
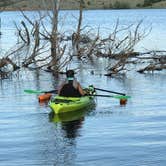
[(115, 96), (39, 91), (43, 97), (104, 90)]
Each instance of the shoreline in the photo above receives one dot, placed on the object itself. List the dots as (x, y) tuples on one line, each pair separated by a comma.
[(32, 5), (39, 9)]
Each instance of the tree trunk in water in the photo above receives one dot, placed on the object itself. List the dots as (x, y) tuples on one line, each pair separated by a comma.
[(79, 28), (76, 36), (54, 36)]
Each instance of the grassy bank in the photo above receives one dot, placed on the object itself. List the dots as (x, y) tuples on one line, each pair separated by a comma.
[(89, 4)]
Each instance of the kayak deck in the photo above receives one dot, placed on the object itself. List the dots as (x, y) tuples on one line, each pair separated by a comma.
[(60, 104)]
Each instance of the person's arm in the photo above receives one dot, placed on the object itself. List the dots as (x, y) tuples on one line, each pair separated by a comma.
[(82, 92)]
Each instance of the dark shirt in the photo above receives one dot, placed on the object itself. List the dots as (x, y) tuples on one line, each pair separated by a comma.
[(68, 90)]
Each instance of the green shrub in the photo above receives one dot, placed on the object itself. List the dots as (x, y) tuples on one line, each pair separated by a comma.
[(121, 5), (88, 3), (150, 2), (138, 5)]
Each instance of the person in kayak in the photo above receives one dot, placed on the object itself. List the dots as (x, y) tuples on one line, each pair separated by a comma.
[(71, 87)]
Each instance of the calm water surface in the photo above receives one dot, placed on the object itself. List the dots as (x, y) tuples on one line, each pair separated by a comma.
[(107, 135), (105, 19)]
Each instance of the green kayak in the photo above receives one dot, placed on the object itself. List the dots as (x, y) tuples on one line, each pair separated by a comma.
[(69, 116), (60, 104)]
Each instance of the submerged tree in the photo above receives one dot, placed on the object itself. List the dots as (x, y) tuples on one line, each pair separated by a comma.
[(76, 36), (42, 40), (42, 44)]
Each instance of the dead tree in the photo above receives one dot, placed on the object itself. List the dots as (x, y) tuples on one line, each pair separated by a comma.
[(30, 39), (44, 47), (54, 36), (76, 36), (120, 46), (123, 40)]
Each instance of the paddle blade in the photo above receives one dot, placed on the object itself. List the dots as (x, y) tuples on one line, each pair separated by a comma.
[(33, 91), (121, 97)]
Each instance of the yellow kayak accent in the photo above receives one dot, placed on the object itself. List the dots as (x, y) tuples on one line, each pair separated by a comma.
[(60, 104), (68, 117)]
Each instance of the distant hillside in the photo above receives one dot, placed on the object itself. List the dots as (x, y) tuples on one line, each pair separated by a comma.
[(73, 4)]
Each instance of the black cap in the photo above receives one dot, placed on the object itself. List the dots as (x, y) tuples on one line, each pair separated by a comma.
[(70, 73)]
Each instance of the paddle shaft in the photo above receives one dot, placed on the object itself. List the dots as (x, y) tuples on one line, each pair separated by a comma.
[(39, 91), (110, 91), (116, 96), (51, 91), (102, 95)]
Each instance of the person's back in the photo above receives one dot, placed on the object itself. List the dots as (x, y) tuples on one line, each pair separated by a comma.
[(68, 90), (71, 88)]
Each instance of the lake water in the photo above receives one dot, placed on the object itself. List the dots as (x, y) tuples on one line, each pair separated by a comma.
[(106, 135)]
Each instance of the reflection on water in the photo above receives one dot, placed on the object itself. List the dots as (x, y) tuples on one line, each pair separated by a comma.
[(72, 128), (71, 122), (67, 127)]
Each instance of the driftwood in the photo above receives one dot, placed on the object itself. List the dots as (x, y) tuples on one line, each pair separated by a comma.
[(3, 64), (157, 63), (6, 61), (118, 66), (118, 56), (152, 68), (155, 60)]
